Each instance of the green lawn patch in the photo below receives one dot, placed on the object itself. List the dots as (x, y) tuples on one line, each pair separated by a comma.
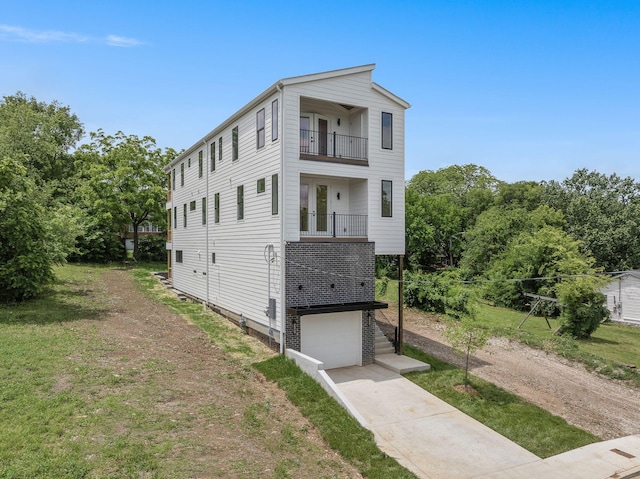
[(533, 428), (339, 429)]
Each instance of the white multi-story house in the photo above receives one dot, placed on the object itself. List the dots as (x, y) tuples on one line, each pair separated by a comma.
[(276, 215)]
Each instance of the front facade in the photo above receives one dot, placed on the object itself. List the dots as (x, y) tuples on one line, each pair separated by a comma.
[(623, 297), (277, 214)]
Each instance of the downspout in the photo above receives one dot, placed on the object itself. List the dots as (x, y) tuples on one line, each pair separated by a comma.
[(281, 203)]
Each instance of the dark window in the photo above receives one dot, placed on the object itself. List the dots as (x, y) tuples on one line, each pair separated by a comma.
[(173, 179), (213, 258), (184, 215), (387, 203), (274, 120), (274, 194), (216, 208), (192, 206), (175, 216), (200, 164), (204, 211), (261, 185), (182, 174), (220, 149), (387, 131), (234, 144), (178, 256), (260, 129), (240, 202), (213, 156)]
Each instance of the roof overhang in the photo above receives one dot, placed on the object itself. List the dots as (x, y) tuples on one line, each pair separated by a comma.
[(336, 308)]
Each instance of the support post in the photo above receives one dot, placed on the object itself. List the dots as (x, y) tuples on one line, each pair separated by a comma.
[(400, 305)]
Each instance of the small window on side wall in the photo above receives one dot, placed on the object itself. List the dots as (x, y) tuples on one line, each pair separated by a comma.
[(216, 208), (178, 256), (274, 120), (261, 185), (260, 129), (274, 194), (240, 202), (234, 144), (387, 199), (212, 155), (200, 167), (387, 131), (213, 258)]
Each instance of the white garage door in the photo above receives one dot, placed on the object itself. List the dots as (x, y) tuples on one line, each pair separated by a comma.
[(333, 338)]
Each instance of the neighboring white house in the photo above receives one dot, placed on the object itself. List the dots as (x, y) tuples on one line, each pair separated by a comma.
[(623, 297), (276, 215)]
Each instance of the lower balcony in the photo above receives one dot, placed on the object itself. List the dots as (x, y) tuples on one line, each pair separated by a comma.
[(333, 225)]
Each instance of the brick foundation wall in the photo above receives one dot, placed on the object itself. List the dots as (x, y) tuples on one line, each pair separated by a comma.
[(330, 273)]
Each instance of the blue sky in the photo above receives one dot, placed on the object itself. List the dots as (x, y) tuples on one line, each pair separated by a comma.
[(531, 90)]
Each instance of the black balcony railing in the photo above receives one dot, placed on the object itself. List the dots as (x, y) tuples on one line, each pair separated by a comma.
[(333, 225), (333, 145)]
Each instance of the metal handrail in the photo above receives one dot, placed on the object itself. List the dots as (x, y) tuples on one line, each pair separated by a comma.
[(333, 225), (333, 145)]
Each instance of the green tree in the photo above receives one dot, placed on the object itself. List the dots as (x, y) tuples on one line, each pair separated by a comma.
[(535, 263), (603, 212), (440, 206), (40, 135), (26, 261), (124, 180), (498, 225)]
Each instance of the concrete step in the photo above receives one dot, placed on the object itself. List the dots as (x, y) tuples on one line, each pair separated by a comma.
[(383, 345), (400, 364)]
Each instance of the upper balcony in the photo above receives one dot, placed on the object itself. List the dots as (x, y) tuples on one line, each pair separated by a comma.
[(332, 146), (333, 132)]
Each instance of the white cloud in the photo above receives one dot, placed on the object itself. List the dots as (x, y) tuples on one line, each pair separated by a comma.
[(20, 34), (10, 32), (118, 41)]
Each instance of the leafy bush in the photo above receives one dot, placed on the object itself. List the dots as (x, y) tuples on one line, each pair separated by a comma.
[(582, 306), (438, 293), (152, 248), (26, 265)]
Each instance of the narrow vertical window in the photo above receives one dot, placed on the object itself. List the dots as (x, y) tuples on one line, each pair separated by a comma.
[(178, 256), (274, 120), (261, 185), (216, 208), (213, 156), (204, 211), (260, 129), (386, 198), (220, 149), (387, 131), (234, 144), (200, 167), (240, 202), (213, 258), (175, 217), (274, 194), (184, 216), (173, 179), (182, 174)]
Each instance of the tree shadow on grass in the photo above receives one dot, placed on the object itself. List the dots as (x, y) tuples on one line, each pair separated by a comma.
[(63, 302)]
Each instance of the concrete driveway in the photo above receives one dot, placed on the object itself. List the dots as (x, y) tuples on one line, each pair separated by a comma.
[(437, 441)]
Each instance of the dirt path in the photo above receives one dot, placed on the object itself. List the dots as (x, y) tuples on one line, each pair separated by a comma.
[(605, 407), (232, 423)]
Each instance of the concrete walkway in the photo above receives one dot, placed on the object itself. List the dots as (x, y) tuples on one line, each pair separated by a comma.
[(437, 441)]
